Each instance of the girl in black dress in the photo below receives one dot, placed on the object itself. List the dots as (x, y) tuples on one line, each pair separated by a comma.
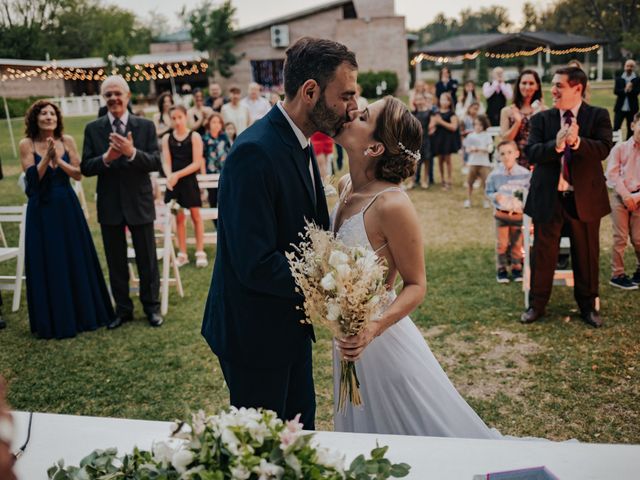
[(182, 151), (446, 137)]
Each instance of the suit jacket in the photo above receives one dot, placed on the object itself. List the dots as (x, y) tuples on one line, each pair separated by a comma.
[(265, 194), (124, 188), (618, 90), (590, 191)]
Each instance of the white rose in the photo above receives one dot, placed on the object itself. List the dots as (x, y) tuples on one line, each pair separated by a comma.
[(181, 459), (338, 258), (268, 471), (162, 452), (333, 311), (328, 282), (240, 472), (343, 271), (330, 459)]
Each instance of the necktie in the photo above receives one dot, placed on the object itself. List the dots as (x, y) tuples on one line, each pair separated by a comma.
[(119, 126), (308, 165), (566, 173)]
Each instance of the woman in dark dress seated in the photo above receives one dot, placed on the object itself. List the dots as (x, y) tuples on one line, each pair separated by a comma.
[(66, 292)]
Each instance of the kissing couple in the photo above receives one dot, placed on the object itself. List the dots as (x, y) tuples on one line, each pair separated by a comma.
[(269, 186)]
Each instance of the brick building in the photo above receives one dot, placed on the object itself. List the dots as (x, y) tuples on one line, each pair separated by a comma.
[(370, 28)]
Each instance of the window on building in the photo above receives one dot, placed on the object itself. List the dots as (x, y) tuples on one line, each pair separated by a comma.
[(349, 11), (268, 73)]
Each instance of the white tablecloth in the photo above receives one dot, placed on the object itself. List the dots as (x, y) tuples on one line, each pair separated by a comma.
[(72, 437)]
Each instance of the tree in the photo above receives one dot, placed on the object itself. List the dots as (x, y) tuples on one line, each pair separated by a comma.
[(613, 20), (69, 28), (531, 17), (212, 31), (490, 19)]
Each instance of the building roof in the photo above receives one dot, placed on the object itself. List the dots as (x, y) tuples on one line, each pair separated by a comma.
[(183, 35), (504, 42), (97, 62)]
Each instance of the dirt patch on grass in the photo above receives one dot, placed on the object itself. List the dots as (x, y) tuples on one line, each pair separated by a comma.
[(483, 366)]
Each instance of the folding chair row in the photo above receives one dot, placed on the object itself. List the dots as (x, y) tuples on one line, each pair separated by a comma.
[(17, 214)]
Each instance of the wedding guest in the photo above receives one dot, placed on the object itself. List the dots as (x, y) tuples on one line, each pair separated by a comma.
[(623, 175), (467, 127), (446, 137), (216, 99), (514, 119), (626, 90), (57, 237), (586, 96), (235, 112), (469, 97), (423, 113), (420, 87), (274, 98), (162, 119), (199, 113), (567, 145), (6, 437), (258, 105), (231, 132), (506, 186), (323, 149), (182, 153), (447, 84), (497, 93), (478, 145), (122, 150), (216, 148)]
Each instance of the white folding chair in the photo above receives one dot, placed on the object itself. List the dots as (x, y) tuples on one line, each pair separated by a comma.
[(560, 277), (13, 282), (165, 254), (617, 136), (77, 187)]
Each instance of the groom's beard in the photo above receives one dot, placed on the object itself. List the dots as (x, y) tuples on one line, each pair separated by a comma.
[(326, 120)]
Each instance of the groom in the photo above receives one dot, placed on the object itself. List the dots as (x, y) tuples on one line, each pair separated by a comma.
[(269, 186)]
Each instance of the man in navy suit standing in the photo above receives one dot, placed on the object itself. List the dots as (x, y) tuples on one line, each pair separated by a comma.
[(269, 186)]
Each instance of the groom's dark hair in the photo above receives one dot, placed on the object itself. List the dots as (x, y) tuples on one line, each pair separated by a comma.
[(314, 59)]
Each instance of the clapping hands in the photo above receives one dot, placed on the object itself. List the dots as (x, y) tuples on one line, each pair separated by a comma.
[(51, 155), (119, 146), (568, 134)]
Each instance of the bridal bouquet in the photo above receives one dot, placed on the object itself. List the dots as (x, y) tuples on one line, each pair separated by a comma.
[(343, 288), (238, 444)]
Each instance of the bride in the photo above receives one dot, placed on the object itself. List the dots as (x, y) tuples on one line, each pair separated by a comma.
[(404, 389)]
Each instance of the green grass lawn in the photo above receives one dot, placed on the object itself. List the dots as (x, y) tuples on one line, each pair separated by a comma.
[(558, 378)]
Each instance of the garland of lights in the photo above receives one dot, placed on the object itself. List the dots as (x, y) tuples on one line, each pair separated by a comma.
[(522, 53), (131, 73)]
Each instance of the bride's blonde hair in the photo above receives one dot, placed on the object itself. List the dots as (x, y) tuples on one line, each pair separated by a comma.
[(401, 134)]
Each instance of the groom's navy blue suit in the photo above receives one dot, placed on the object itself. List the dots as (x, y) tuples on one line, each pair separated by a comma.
[(251, 321)]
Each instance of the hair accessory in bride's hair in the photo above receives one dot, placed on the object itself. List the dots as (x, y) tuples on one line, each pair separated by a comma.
[(415, 155)]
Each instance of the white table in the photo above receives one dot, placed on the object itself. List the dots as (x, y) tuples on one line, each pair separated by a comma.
[(72, 437)]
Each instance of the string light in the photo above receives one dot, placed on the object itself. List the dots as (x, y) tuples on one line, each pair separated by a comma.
[(148, 71), (522, 53)]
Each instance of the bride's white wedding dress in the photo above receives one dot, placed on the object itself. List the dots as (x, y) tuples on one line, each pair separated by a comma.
[(403, 387)]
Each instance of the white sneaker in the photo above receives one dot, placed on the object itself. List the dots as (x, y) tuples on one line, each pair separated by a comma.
[(201, 259), (182, 259), (467, 204), (486, 204)]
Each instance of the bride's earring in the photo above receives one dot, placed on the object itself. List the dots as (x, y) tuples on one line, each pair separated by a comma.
[(366, 152)]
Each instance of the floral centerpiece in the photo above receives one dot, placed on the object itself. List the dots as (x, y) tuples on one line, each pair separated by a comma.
[(343, 288), (238, 444)]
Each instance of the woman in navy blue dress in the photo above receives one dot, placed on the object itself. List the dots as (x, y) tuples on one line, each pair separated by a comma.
[(66, 291)]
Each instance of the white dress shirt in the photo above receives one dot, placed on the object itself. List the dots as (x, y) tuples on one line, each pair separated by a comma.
[(304, 141)]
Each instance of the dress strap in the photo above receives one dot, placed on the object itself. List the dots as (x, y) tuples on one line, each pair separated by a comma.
[(345, 189), (375, 197)]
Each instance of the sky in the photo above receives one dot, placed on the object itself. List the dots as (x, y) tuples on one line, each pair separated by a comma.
[(249, 12)]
